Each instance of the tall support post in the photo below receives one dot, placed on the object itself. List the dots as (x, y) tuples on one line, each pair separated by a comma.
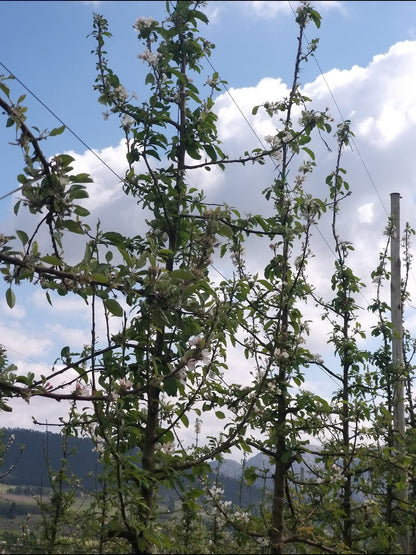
[(397, 348)]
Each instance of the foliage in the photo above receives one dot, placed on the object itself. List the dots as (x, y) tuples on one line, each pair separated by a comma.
[(162, 365)]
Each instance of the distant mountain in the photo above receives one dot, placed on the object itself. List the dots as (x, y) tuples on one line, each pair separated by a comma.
[(31, 452), (228, 467), (308, 461), (233, 469)]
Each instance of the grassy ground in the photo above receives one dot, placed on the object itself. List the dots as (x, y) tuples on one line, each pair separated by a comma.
[(17, 509)]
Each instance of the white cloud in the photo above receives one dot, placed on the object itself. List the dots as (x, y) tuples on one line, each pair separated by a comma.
[(366, 213), (18, 312), (234, 109), (265, 9), (62, 305), (23, 339), (106, 188), (213, 11)]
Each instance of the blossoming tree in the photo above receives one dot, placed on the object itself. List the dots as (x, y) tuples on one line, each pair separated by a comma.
[(162, 363)]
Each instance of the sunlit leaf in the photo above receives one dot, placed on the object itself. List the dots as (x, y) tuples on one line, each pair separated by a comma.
[(114, 307)]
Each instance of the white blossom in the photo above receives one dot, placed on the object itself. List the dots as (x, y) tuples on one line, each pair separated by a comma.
[(280, 353), (205, 356), (181, 375), (212, 82), (191, 364), (99, 447), (148, 56), (275, 143), (215, 491), (168, 448), (121, 91), (305, 167), (274, 389), (243, 516), (126, 121), (143, 23)]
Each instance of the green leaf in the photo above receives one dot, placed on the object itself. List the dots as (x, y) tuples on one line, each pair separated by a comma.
[(10, 297), (72, 226), (5, 89), (170, 386), (316, 18), (185, 420), (4, 407), (81, 211), (65, 351), (16, 207), (65, 159), (225, 231), (200, 15), (22, 236), (50, 259), (309, 151), (182, 274), (114, 307), (114, 238), (78, 191), (219, 414), (250, 476), (101, 278), (57, 131), (150, 79), (81, 178), (210, 150)]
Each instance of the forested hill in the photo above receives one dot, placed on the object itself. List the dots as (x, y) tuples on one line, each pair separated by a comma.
[(31, 452)]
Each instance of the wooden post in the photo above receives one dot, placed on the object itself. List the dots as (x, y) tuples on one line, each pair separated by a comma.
[(397, 349)]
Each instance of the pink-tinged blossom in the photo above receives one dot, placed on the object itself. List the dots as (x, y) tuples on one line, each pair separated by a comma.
[(191, 364), (125, 384), (181, 375), (195, 341), (81, 389)]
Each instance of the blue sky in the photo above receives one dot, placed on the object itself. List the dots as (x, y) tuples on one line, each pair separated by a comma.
[(367, 52), (46, 45)]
